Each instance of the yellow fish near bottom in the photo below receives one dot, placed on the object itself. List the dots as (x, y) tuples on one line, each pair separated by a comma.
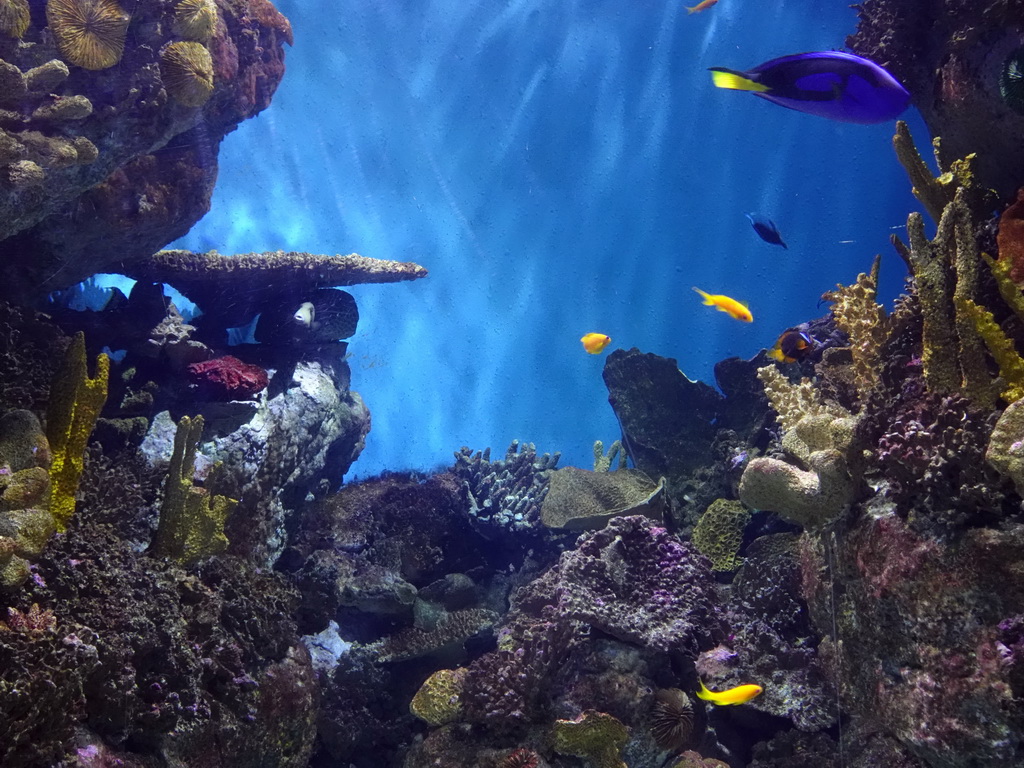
[(741, 694)]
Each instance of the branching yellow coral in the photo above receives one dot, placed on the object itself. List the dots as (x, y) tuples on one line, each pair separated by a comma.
[(75, 405), (191, 519), (1011, 366), (864, 320), (793, 402)]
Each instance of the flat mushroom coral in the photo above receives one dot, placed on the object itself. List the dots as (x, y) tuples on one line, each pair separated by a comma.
[(89, 33)]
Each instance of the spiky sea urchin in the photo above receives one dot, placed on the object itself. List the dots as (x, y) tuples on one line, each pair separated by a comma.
[(89, 33), (14, 17), (187, 72), (671, 719), (195, 19)]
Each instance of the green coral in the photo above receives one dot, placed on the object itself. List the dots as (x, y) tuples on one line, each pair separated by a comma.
[(596, 737), (936, 192), (1005, 451), (438, 701), (191, 518), (719, 533), (603, 461), (75, 404)]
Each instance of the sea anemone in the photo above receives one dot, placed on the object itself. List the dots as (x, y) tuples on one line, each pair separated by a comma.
[(89, 33), (14, 17), (187, 71), (671, 719), (195, 19), (1011, 81)]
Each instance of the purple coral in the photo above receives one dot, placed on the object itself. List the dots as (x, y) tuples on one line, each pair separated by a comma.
[(634, 581)]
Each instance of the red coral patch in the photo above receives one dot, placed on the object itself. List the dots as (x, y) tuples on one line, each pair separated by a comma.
[(228, 378)]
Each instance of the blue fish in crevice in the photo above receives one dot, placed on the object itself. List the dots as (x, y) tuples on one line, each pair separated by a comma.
[(832, 84), (766, 230)]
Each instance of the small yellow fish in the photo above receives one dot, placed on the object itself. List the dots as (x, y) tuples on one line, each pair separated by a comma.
[(595, 343), (741, 694), (727, 305), (701, 6)]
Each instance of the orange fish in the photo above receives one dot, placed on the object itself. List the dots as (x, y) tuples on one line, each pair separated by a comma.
[(729, 306), (741, 694), (701, 6), (595, 343)]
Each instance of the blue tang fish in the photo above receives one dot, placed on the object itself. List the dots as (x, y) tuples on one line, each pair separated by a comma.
[(766, 230), (832, 84)]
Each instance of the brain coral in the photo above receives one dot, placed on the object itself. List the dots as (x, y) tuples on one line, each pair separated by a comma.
[(187, 71), (89, 33), (719, 533)]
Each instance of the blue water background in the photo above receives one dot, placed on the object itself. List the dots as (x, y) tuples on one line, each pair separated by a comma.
[(559, 167)]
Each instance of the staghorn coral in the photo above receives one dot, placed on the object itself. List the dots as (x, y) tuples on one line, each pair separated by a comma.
[(603, 461), (439, 699), (14, 17), (195, 19), (578, 499), (1011, 365), (191, 519), (945, 278), (718, 534), (596, 737), (75, 404), (507, 493), (187, 72), (89, 33), (794, 402), (671, 719), (934, 192)]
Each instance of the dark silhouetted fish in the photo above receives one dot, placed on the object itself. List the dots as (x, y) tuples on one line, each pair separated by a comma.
[(766, 230), (832, 84)]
